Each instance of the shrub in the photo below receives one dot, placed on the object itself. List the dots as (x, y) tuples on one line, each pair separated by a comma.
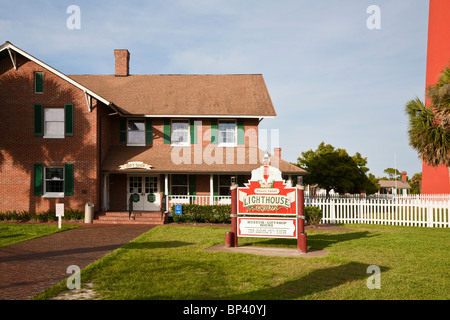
[(206, 213), (313, 215), (45, 216)]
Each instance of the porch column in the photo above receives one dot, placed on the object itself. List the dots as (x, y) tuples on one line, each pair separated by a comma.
[(166, 190), (106, 191), (211, 189)]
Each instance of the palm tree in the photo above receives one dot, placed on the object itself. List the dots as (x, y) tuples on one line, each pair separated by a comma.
[(429, 128)]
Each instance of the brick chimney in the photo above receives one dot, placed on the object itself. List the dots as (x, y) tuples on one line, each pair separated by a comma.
[(122, 57), (277, 152), (403, 175)]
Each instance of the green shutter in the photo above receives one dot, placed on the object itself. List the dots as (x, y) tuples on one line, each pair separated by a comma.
[(193, 132), (148, 131), (123, 130), (166, 131), (241, 131), (192, 190), (38, 120), (215, 184), (37, 179), (38, 82), (68, 119), (68, 179), (214, 137)]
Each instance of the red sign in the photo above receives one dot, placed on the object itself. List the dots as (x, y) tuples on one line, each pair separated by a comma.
[(273, 198)]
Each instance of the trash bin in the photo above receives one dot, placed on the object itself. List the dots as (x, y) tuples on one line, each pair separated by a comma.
[(88, 212)]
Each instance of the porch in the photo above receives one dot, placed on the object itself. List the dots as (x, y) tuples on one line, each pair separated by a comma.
[(151, 192)]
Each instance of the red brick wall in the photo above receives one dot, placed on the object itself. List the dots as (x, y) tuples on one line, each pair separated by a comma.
[(20, 148), (118, 192)]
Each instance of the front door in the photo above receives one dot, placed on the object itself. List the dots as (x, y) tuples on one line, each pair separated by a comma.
[(144, 192)]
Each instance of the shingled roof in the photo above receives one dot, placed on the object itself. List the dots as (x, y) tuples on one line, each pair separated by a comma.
[(166, 159), (232, 95)]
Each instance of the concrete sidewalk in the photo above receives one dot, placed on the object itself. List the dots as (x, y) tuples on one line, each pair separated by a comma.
[(28, 268)]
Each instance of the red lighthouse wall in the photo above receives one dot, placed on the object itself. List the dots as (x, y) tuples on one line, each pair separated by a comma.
[(436, 180)]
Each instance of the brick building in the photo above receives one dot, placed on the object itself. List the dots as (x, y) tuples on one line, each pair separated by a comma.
[(115, 140)]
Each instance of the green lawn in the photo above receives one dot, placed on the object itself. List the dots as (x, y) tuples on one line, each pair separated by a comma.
[(11, 233), (169, 262)]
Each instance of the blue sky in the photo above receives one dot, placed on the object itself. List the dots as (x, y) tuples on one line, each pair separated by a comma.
[(330, 77)]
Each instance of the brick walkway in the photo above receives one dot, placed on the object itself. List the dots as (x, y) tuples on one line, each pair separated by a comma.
[(27, 268)]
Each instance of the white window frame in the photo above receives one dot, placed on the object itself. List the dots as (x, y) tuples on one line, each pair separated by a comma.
[(139, 144), (226, 144), (53, 194), (180, 144), (57, 136)]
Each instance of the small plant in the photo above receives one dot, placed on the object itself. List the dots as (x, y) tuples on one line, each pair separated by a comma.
[(206, 213), (313, 215)]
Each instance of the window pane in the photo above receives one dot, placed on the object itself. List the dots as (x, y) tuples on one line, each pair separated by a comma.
[(179, 179), (54, 128), (54, 186), (136, 137), (224, 191), (225, 180), (54, 114), (179, 190), (136, 125), (54, 180), (180, 132), (54, 173)]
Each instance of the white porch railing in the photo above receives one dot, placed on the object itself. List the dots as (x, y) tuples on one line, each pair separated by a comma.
[(201, 200)]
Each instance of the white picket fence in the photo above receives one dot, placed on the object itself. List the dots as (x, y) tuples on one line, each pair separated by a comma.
[(420, 210)]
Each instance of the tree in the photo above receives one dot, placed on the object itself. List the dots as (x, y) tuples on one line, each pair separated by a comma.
[(415, 183), (392, 173), (334, 169), (429, 128)]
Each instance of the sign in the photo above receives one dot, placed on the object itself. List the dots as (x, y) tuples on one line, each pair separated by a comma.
[(135, 165), (264, 195), (267, 227), (60, 209), (178, 209)]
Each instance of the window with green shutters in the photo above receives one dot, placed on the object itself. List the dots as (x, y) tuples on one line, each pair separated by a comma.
[(53, 122), (53, 182)]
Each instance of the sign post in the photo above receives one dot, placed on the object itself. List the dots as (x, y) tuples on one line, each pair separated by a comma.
[(301, 239), (59, 213)]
